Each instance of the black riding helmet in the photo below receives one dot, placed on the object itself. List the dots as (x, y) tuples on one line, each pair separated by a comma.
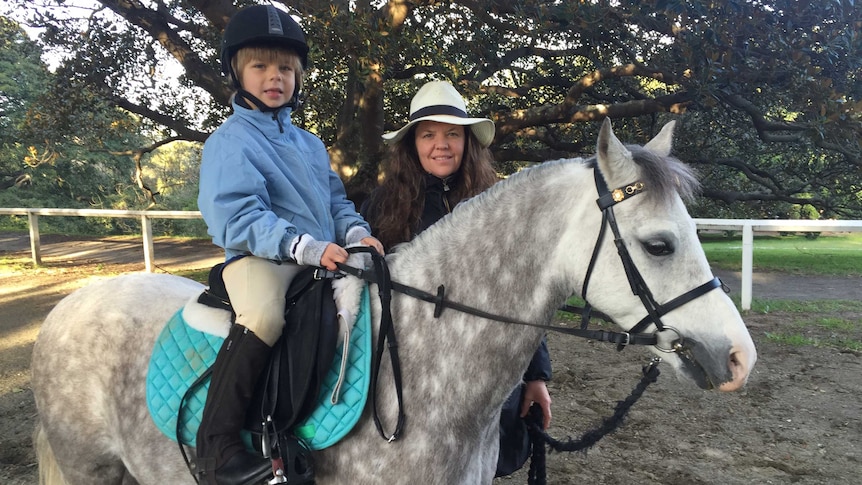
[(261, 25)]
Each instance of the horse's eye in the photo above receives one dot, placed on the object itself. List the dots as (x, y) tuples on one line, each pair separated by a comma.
[(658, 247)]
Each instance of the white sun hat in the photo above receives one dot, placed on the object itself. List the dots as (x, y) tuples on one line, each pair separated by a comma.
[(439, 101)]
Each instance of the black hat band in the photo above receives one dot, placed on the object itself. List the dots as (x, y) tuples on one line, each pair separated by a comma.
[(437, 109)]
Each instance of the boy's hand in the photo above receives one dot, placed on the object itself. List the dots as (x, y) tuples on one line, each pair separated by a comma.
[(331, 255), (374, 243)]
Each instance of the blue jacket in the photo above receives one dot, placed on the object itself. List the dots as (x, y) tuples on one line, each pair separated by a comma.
[(264, 182)]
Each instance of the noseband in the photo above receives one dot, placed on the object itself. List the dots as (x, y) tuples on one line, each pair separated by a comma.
[(606, 202)]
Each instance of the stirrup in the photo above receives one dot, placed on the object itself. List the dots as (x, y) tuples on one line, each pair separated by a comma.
[(294, 464)]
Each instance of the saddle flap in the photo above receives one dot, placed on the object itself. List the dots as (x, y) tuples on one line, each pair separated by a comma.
[(288, 390)]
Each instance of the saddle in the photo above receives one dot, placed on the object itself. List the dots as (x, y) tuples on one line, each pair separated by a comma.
[(288, 388), (310, 395)]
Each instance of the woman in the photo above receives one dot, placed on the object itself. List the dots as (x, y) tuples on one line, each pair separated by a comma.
[(434, 163)]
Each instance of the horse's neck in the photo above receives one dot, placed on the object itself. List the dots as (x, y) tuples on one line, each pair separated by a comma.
[(501, 253), (511, 250)]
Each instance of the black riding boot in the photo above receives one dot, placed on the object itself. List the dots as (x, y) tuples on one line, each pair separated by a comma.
[(222, 458)]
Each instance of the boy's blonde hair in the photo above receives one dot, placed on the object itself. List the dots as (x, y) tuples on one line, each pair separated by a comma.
[(268, 54)]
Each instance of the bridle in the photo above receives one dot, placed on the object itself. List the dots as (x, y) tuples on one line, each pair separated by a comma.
[(635, 336), (606, 202)]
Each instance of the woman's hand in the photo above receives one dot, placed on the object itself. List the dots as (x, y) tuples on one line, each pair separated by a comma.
[(537, 392), (374, 243)]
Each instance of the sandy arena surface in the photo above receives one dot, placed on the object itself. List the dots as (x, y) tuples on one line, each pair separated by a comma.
[(799, 420)]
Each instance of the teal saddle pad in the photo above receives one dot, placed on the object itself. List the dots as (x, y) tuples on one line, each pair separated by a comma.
[(181, 354)]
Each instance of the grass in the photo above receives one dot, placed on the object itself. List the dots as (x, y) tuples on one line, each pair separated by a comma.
[(9, 263), (824, 323), (799, 340), (199, 275), (825, 255), (793, 340), (818, 323), (807, 306)]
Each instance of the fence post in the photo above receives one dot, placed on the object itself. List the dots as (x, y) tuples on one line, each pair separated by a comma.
[(747, 265), (35, 241), (149, 250)]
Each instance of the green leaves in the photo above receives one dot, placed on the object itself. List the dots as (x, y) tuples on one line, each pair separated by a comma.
[(767, 91)]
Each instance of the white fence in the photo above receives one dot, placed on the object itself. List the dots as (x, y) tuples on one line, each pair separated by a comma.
[(747, 226), (750, 226), (145, 216)]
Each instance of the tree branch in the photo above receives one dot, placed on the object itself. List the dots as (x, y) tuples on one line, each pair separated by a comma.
[(763, 126), (157, 25), (184, 131)]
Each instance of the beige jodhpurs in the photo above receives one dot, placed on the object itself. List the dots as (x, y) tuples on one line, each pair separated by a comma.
[(256, 288)]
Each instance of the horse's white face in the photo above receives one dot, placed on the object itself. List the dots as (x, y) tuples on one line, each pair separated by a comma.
[(662, 240)]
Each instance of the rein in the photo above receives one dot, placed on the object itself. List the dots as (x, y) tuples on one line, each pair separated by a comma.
[(440, 303), (538, 436)]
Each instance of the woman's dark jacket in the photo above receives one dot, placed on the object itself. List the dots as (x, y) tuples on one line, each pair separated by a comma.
[(514, 440)]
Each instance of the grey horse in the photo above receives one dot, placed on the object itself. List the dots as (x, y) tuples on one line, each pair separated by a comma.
[(519, 250)]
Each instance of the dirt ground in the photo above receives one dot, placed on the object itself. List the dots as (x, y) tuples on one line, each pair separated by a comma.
[(799, 420)]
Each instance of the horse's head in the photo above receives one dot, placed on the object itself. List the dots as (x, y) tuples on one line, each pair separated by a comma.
[(656, 277)]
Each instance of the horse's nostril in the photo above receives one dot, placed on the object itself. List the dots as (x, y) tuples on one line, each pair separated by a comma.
[(737, 363), (734, 361)]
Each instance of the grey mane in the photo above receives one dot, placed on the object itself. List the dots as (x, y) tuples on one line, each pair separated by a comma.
[(665, 175)]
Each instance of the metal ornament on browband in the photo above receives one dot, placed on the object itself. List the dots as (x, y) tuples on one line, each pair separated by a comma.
[(607, 199)]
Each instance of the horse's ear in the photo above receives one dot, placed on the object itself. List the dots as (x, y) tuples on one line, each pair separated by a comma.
[(660, 145), (614, 159)]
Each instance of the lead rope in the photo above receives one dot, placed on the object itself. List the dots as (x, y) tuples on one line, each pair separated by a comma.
[(538, 473)]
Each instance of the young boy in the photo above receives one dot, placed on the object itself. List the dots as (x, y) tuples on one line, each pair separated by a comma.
[(271, 200)]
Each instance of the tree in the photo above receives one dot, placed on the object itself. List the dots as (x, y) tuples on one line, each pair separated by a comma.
[(22, 78), (769, 94), (58, 150)]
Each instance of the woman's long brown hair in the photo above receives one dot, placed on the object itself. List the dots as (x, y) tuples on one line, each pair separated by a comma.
[(397, 205)]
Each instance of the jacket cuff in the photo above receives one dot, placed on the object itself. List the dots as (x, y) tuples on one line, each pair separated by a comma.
[(306, 250), (355, 234)]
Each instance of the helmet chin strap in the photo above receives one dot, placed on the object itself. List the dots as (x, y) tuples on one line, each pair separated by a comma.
[(294, 103)]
